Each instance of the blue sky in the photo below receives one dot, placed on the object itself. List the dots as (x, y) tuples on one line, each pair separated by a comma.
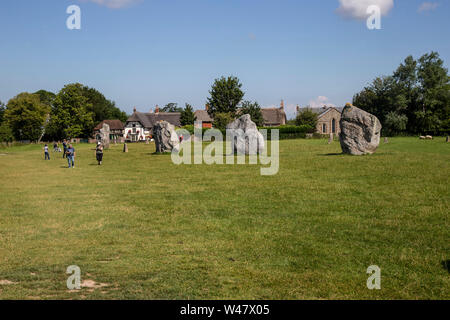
[(148, 52)]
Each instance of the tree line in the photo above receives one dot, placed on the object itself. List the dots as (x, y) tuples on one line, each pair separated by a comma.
[(73, 112), (415, 99)]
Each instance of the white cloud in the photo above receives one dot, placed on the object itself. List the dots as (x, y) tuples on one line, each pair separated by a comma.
[(320, 101), (428, 6), (357, 9), (114, 4)]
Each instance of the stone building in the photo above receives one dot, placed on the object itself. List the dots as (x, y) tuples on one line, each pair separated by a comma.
[(328, 119)]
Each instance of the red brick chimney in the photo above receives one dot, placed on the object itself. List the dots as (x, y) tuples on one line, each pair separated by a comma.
[(157, 109), (206, 107), (134, 109), (282, 105)]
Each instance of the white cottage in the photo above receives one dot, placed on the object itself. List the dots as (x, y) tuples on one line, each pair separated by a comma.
[(138, 127)]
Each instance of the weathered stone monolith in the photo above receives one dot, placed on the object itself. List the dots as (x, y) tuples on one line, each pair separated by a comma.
[(166, 139), (360, 131), (246, 139), (104, 135)]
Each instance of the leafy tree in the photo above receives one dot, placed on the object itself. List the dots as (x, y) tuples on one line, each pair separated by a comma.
[(395, 123), (72, 108), (72, 114), (116, 113), (187, 116), (254, 110), (46, 97), (6, 134), (222, 119), (102, 108), (2, 112), (418, 90), (434, 93), (307, 117), (226, 94), (171, 107), (26, 115), (381, 97)]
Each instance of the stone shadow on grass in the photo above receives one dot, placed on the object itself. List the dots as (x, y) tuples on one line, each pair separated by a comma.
[(446, 265), (158, 154), (331, 154)]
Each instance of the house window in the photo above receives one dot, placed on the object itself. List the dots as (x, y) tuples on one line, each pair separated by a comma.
[(324, 128), (333, 126)]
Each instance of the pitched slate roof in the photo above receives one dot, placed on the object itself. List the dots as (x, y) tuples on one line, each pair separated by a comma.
[(203, 115), (148, 120), (273, 116), (113, 125)]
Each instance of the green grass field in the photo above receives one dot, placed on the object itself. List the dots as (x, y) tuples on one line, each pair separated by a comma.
[(140, 227)]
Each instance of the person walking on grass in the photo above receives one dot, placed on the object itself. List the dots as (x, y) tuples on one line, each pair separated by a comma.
[(70, 154), (47, 155), (65, 148), (55, 147), (99, 153)]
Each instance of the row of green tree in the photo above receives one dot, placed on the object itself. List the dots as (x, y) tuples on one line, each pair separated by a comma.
[(415, 99), (72, 112)]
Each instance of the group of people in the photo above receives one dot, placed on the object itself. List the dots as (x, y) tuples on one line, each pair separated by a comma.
[(69, 152)]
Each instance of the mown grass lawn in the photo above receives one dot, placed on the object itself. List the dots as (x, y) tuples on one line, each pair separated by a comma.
[(148, 229)]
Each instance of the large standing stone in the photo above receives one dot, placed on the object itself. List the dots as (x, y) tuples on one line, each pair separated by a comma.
[(104, 135), (360, 131), (246, 137), (166, 139)]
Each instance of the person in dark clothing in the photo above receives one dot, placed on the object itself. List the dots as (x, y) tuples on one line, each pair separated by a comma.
[(99, 153), (65, 148)]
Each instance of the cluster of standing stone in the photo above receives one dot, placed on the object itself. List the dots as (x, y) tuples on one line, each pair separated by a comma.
[(360, 131)]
